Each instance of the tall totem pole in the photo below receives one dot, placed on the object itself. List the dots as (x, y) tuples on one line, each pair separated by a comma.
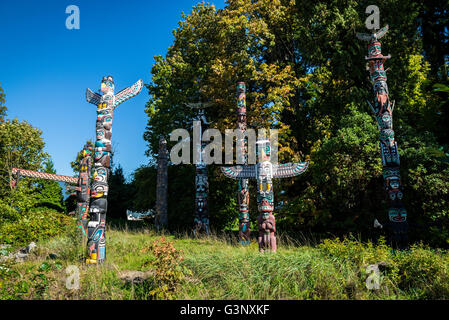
[(243, 192), (161, 218), (264, 172), (201, 218), (383, 110), (106, 104), (83, 192)]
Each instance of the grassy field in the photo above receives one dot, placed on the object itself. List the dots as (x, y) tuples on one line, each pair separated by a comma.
[(218, 267)]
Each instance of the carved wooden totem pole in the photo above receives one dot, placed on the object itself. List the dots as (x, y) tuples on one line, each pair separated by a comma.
[(243, 192), (383, 110), (264, 172), (106, 104), (201, 218), (161, 218), (82, 191)]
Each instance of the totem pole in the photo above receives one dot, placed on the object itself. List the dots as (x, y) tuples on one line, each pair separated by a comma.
[(243, 192), (383, 110), (264, 172), (201, 219), (106, 104), (161, 219), (83, 192)]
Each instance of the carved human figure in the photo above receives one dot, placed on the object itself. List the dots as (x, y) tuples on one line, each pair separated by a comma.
[(267, 229)]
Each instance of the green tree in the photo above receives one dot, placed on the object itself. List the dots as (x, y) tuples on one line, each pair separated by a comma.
[(119, 196), (75, 164), (3, 108), (49, 193), (21, 146), (306, 76)]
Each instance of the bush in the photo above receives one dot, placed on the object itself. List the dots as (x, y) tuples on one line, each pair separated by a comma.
[(33, 283), (424, 272), (418, 273), (34, 225), (168, 272)]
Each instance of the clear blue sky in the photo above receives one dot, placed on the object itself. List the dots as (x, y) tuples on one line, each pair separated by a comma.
[(45, 68)]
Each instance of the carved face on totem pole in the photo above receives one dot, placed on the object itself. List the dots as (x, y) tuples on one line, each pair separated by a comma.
[(385, 121), (393, 184), (107, 85), (387, 137), (374, 49), (87, 151), (104, 119), (397, 215)]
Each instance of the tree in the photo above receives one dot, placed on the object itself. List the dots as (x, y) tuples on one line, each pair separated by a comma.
[(21, 146), (77, 162), (49, 193), (3, 108), (306, 76), (119, 196)]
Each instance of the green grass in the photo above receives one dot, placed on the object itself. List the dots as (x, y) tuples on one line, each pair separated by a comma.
[(217, 267)]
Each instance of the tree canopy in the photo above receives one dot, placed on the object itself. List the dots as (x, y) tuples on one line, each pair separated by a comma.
[(306, 76)]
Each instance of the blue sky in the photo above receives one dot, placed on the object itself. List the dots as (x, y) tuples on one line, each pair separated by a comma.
[(45, 68)]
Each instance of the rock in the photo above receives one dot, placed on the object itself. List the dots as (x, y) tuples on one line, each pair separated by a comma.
[(21, 256), (132, 276), (4, 246), (30, 247)]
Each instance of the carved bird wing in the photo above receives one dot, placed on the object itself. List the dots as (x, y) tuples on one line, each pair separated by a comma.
[(382, 32), (128, 93), (364, 36), (239, 172), (92, 97), (289, 169)]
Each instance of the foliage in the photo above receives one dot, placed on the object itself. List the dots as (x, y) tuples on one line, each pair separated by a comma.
[(3, 108), (419, 271), (168, 272), (219, 268), (306, 76), (120, 195), (49, 193), (33, 283), (21, 146), (34, 225), (77, 162)]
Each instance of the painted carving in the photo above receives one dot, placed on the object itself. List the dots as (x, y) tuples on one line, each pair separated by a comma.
[(383, 111), (106, 102), (264, 172)]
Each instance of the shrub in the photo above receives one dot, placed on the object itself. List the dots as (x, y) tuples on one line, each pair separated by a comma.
[(168, 272), (424, 272), (34, 225), (33, 283)]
